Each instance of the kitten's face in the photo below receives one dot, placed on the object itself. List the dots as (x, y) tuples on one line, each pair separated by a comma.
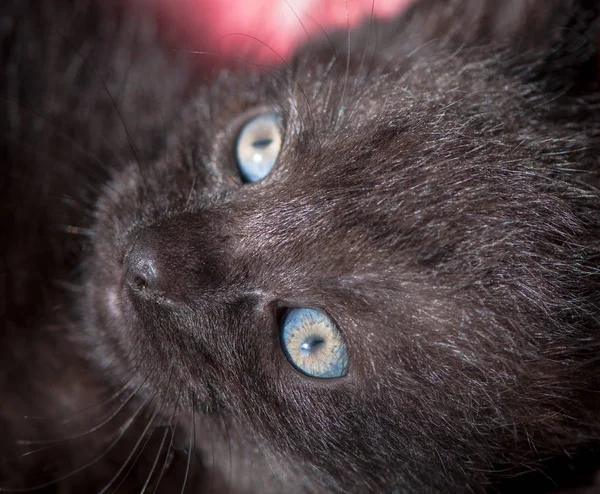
[(389, 210)]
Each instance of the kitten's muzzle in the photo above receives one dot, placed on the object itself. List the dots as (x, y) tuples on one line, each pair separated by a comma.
[(175, 261), (143, 272)]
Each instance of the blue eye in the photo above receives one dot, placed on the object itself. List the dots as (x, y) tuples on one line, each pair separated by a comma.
[(313, 344), (258, 145)]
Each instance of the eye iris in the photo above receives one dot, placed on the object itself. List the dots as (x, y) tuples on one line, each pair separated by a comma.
[(258, 146), (313, 344)]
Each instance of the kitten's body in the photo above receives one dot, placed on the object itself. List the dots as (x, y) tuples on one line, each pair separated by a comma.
[(435, 195)]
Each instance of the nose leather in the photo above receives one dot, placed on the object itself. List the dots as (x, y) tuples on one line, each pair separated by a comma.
[(143, 270)]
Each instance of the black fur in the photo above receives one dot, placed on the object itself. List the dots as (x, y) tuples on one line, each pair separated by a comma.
[(436, 195)]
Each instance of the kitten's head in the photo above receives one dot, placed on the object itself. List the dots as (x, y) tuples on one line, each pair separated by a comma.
[(372, 273)]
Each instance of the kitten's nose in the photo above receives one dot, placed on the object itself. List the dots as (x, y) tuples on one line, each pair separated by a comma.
[(172, 261), (143, 271)]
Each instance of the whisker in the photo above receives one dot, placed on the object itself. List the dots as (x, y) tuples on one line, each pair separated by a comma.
[(35, 151), (347, 58), (192, 188), (162, 443), (212, 448), (289, 5), (122, 389), (77, 230), (125, 128), (265, 454), (367, 76), (275, 71), (122, 430), (369, 32), (144, 437), (74, 68), (113, 103), (89, 431), (191, 446), (168, 457), (159, 452), (230, 472), (287, 70), (227, 59), (56, 128), (217, 55), (254, 38)]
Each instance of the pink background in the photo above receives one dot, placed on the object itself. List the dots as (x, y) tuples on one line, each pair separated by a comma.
[(229, 27)]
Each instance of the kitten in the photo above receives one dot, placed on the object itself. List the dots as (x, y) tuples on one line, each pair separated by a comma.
[(372, 269)]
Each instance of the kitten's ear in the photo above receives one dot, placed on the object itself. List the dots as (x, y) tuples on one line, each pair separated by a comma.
[(562, 42), (557, 40)]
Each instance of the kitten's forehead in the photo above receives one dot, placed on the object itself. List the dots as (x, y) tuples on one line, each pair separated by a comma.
[(356, 163)]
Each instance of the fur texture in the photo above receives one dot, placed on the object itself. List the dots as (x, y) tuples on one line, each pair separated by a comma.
[(436, 195)]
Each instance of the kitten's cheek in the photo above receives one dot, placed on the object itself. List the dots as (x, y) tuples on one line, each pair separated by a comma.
[(113, 302)]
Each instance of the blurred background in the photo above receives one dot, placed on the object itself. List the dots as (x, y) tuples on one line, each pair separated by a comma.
[(262, 31)]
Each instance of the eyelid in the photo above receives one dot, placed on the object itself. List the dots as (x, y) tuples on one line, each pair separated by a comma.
[(237, 123)]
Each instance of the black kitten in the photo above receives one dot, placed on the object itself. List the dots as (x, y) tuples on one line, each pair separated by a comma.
[(373, 269)]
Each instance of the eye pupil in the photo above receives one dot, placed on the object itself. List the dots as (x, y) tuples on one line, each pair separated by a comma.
[(262, 143), (312, 344)]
